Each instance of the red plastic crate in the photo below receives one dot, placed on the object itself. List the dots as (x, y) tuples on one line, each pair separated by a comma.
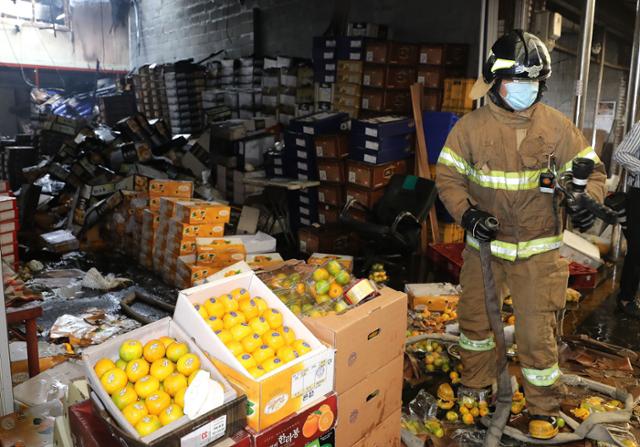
[(448, 258)]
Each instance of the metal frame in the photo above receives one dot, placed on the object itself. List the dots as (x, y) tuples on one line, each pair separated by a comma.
[(6, 385), (582, 80)]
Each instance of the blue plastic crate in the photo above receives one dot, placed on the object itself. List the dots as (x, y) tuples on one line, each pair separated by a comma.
[(437, 126)]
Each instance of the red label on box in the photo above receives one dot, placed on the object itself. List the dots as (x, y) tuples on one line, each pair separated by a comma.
[(307, 427)]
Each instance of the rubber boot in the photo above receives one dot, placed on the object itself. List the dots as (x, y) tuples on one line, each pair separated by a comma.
[(543, 427)]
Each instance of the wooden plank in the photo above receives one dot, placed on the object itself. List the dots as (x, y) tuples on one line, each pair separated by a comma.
[(422, 164)]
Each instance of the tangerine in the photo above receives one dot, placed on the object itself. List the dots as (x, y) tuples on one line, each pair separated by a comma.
[(134, 412), (160, 369), (102, 366), (130, 350), (260, 326), (273, 318), (174, 383), (214, 308), (154, 350), (114, 380), (172, 413), (156, 402), (126, 396), (137, 369), (176, 350), (187, 364), (146, 386), (148, 425)]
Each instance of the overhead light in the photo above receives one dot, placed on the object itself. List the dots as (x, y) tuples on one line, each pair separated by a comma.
[(61, 16)]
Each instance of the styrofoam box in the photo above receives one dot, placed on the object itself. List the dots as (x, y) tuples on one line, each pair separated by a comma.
[(187, 316), (109, 349)]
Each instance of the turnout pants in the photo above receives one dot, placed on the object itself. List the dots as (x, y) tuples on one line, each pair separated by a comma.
[(631, 270), (537, 286)]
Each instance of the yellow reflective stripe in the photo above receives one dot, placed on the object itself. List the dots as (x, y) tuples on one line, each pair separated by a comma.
[(542, 377), (510, 181), (587, 152), (522, 250), (476, 345), (501, 64)]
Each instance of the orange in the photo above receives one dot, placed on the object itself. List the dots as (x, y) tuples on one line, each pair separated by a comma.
[(114, 380), (214, 307), (130, 350), (137, 369), (121, 364), (160, 369), (235, 347), (146, 386), (271, 364), (251, 342), (176, 350), (247, 361), (171, 413), (320, 275), (301, 346), (240, 294), (288, 334), (179, 397), (153, 350), (148, 425), (233, 318), (102, 366), (174, 383), (166, 341), (250, 309), (230, 305), (134, 412), (260, 326), (310, 427), (257, 372), (215, 323), (126, 396), (300, 288), (224, 336), (187, 364), (274, 318), (335, 291), (156, 402), (273, 339), (240, 331), (202, 311), (262, 304), (325, 421), (263, 353), (287, 354)]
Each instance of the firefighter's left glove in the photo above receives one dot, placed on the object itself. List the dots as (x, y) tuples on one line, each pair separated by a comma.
[(581, 217), (480, 224)]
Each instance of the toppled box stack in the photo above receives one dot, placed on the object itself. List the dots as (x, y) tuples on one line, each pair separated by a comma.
[(55, 131), (303, 162)]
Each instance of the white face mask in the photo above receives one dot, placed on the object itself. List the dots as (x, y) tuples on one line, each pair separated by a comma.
[(521, 94)]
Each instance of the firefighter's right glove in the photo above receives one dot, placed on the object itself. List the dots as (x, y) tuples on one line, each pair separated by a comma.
[(617, 202), (477, 223), (581, 218)]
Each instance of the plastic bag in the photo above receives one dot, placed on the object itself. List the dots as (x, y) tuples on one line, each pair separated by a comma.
[(424, 406)]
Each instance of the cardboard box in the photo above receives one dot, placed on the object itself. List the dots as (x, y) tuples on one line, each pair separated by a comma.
[(402, 53), (374, 76), (371, 176), (331, 171), (202, 212), (327, 239), (383, 126), (347, 101), (266, 260), (578, 249), (348, 66), (348, 88), (431, 77), (366, 337), (368, 403), (400, 77), (331, 194), (61, 433), (220, 250), (87, 429), (180, 428), (380, 157), (281, 392), (328, 214), (332, 146), (373, 99), (320, 123), (432, 100), (364, 196), (435, 297), (171, 188), (385, 434), (179, 229), (376, 51), (297, 430), (397, 101), (431, 54)]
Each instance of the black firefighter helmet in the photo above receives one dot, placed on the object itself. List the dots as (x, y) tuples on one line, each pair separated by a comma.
[(518, 55)]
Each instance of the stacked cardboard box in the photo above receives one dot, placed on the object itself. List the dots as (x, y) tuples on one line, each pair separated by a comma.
[(438, 62), (389, 71), (347, 95), (302, 158), (381, 140), (151, 98), (9, 225), (456, 95), (325, 69), (369, 343), (331, 150), (296, 92), (184, 83)]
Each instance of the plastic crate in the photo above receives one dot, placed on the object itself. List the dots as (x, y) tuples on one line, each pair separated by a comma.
[(582, 277)]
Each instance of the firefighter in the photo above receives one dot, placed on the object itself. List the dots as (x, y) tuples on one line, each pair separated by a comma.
[(496, 162)]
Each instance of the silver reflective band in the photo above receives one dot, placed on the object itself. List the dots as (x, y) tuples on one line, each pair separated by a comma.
[(522, 250), (476, 345), (542, 377)]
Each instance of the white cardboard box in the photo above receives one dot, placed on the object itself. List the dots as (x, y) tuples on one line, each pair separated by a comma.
[(580, 250)]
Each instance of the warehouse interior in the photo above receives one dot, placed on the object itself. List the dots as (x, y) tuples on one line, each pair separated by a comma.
[(295, 223)]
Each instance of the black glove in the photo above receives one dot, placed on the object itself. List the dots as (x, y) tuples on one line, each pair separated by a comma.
[(617, 202), (479, 224), (581, 218)]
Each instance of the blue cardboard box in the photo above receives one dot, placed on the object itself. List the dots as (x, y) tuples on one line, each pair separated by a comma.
[(392, 143), (383, 126), (350, 48), (319, 123), (380, 157)]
